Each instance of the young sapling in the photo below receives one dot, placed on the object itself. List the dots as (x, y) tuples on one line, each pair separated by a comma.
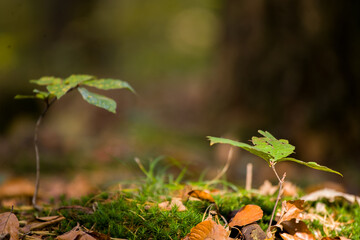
[(57, 88), (272, 150)]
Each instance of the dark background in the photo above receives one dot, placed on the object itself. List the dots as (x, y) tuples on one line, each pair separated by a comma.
[(221, 68)]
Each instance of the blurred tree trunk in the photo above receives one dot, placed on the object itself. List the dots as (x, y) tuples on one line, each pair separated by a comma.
[(292, 67)]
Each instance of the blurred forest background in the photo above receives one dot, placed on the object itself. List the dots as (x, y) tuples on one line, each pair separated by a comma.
[(220, 68)]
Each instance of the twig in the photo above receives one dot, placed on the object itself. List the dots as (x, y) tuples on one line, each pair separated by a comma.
[(37, 181), (281, 181), (249, 172)]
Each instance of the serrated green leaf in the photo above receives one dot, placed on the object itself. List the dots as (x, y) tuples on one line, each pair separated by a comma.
[(98, 100), (108, 83), (269, 144), (263, 154), (311, 165), (74, 80), (47, 81)]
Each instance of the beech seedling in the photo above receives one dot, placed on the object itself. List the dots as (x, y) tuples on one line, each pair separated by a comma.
[(56, 88), (272, 150)]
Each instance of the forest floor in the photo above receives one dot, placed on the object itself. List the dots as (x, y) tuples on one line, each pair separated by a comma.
[(161, 206)]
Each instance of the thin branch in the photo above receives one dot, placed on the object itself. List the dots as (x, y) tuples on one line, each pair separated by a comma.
[(281, 181), (37, 180)]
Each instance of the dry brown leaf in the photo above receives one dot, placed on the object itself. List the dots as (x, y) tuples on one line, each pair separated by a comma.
[(174, 202), (331, 195), (246, 215), (289, 189), (293, 226), (75, 233), (79, 186), (42, 223), (202, 195), (267, 188), (297, 236), (208, 229), (290, 210), (9, 224)]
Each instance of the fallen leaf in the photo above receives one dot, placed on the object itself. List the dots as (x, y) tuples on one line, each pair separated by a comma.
[(289, 189), (79, 186), (267, 188), (202, 195), (253, 232), (42, 223), (208, 229), (246, 215), (76, 233), (331, 195), (297, 236), (174, 202), (293, 226), (290, 210), (9, 225)]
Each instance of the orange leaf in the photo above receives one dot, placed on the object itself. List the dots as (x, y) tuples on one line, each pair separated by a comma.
[(246, 215), (208, 229), (9, 224), (202, 195)]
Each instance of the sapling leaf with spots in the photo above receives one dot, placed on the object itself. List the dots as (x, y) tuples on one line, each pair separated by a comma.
[(56, 88), (272, 150)]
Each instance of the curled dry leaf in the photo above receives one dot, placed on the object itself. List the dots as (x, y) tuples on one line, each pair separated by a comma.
[(202, 195), (331, 195), (246, 215), (41, 223), (297, 236), (290, 210), (208, 229), (78, 233), (267, 188), (9, 224), (174, 202), (293, 226)]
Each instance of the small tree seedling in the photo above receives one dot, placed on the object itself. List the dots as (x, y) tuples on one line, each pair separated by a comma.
[(57, 88), (272, 150)]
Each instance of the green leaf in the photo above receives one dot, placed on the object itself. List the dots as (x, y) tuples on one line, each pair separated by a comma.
[(269, 144), (311, 164), (74, 80), (47, 81), (98, 100), (263, 154), (59, 90), (108, 83)]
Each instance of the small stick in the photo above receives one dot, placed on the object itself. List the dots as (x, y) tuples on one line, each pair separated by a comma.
[(249, 173), (281, 181)]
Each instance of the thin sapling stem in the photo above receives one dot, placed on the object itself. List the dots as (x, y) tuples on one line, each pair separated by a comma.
[(281, 181), (37, 180)]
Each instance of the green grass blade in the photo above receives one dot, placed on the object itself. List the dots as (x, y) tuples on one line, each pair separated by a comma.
[(98, 100), (311, 165)]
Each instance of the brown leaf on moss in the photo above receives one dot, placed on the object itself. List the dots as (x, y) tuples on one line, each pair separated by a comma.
[(77, 233), (174, 202), (208, 229), (246, 215), (41, 223), (290, 210), (335, 238), (9, 225), (293, 226), (202, 195)]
